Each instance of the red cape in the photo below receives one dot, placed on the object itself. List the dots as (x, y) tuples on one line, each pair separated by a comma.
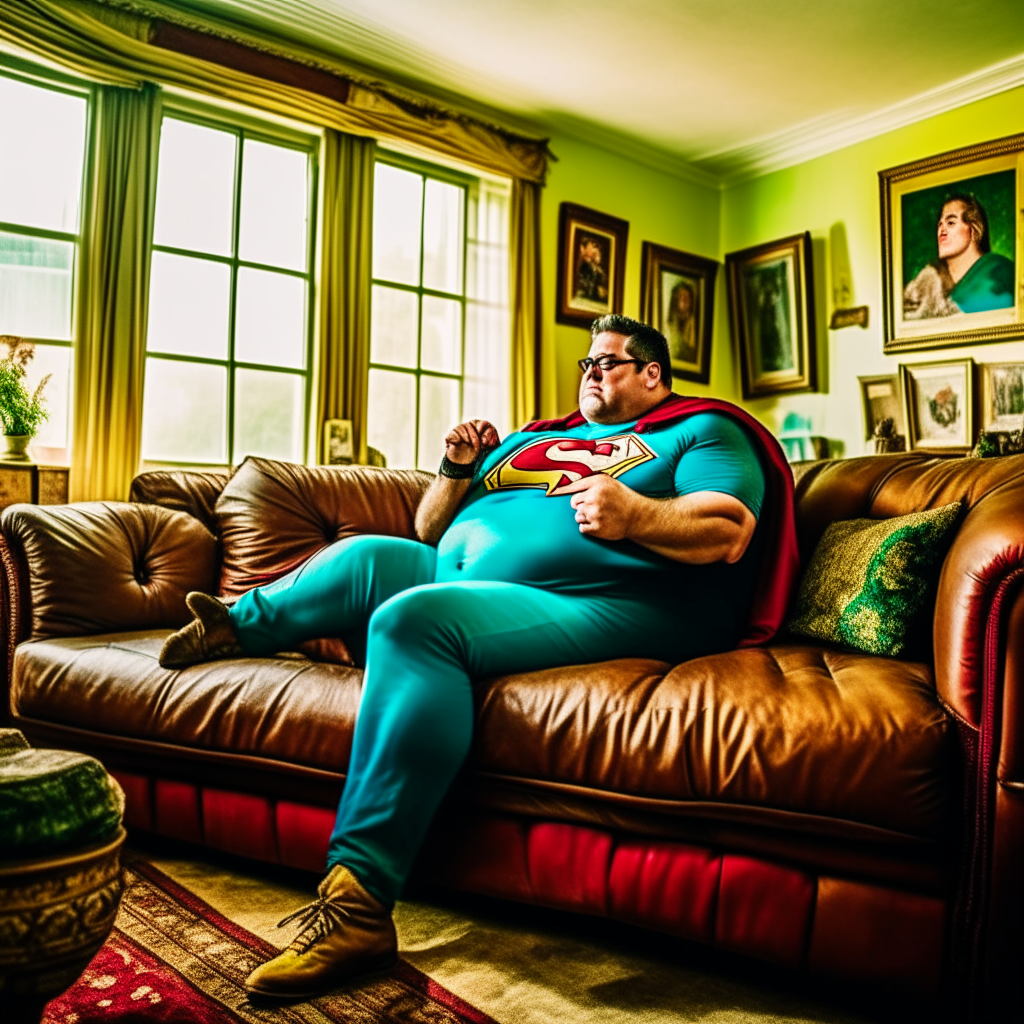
[(781, 565)]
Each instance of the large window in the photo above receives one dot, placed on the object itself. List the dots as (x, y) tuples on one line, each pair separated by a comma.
[(231, 295), (43, 129), (438, 336)]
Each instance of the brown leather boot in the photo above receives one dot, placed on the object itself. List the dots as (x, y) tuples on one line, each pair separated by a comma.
[(345, 932), (208, 636)]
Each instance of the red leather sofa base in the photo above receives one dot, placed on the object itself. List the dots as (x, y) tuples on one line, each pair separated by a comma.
[(743, 904)]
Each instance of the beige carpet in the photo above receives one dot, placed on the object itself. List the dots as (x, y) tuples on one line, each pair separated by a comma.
[(523, 965)]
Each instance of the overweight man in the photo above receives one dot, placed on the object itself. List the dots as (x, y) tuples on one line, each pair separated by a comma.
[(628, 529)]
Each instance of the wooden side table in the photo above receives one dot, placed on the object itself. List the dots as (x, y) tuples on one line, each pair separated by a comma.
[(24, 481)]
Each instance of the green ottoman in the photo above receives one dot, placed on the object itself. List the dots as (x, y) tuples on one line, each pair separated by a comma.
[(60, 873)]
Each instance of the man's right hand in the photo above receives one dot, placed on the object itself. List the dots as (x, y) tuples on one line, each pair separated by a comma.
[(464, 443)]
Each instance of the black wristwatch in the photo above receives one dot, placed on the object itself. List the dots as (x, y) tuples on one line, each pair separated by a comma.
[(455, 470)]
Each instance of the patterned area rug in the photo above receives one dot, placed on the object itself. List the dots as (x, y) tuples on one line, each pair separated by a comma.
[(173, 958)]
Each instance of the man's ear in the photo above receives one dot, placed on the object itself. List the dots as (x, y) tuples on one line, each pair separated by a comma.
[(653, 379)]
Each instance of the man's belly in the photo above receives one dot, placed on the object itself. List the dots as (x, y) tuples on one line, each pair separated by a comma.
[(535, 540)]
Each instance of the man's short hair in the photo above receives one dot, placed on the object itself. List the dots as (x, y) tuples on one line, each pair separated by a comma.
[(642, 342)]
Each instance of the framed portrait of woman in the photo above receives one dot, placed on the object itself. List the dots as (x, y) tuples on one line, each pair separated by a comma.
[(952, 257), (677, 295)]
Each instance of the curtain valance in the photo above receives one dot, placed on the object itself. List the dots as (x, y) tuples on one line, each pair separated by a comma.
[(116, 45)]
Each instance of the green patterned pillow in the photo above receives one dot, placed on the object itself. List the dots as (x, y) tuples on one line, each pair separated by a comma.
[(871, 581)]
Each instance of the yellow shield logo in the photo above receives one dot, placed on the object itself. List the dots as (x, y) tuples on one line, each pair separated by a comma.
[(554, 463)]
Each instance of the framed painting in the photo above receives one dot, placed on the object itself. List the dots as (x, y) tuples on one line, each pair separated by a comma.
[(880, 396), (591, 264), (952, 253), (677, 295), (1002, 397), (339, 448), (938, 403), (771, 308)]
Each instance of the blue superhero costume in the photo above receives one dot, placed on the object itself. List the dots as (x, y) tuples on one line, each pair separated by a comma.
[(513, 586)]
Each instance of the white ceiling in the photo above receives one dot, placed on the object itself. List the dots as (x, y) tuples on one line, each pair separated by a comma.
[(720, 85)]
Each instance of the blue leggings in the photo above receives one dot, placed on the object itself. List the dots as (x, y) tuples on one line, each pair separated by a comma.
[(427, 642)]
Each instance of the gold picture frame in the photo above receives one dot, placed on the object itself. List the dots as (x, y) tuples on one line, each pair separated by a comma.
[(1001, 405), (955, 283), (339, 443), (677, 296), (880, 397), (771, 308), (591, 265), (938, 405)]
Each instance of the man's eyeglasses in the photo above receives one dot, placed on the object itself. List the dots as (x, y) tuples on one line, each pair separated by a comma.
[(606, 363)]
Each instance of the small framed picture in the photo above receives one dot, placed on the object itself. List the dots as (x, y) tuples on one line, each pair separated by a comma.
[(953, 247), (880, 396), (677, 295), (938, 402), (339, 449), (591, 264), (771, 307), (1002, 397)]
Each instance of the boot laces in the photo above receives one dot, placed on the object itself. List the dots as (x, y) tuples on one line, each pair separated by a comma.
[(316, 921)]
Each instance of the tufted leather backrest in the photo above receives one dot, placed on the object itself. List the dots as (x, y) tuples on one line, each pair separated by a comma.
[(102, 567), (194, 492), (272, 516), (987, 550)]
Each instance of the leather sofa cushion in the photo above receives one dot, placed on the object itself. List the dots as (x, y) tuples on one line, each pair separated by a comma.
[(99, 566), (279, 709), (791, 728), (272, 516), (182, 491), (788, 728)]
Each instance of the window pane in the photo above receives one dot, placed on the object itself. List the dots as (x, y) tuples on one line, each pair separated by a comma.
[(391, 417), (442, 335), (184, 417), (56, 361), (195, 188), (42, 137), (269, 415), (397, 200), (275, 186), (439, 412), (270, 318), (35, 286), (393, 327), (442, 237), (189, 304)]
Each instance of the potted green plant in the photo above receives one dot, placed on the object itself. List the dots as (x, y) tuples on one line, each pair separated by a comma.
[(21, 411)]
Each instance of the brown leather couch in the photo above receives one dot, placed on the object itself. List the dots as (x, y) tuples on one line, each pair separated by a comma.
[(850, 815)]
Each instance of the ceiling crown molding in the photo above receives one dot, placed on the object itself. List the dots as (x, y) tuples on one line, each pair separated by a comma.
[(826, 135)]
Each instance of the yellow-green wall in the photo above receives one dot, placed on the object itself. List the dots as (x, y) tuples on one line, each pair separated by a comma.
[(837, 191), (842, 189), (659, 208)]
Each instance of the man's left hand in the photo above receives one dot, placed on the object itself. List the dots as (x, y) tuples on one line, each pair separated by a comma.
[(604, 507)]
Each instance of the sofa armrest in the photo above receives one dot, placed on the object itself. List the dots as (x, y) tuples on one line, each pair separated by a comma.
[(101, 567), (979, 674)]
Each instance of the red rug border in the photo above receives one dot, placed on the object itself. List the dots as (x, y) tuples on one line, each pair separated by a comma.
[(411, 975)]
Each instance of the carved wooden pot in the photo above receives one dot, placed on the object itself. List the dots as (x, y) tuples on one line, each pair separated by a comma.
[(54, 916)]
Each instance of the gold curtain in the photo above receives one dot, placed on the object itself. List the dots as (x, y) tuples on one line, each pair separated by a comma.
[(525, 299), (345, 285), (110, 357), (117, 47)]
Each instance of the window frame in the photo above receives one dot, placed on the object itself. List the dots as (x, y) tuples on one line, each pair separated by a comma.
[(244, 126), (43, 77), (466, 182)]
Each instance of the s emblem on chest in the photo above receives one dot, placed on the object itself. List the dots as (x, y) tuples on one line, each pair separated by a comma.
[(553, 463)]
